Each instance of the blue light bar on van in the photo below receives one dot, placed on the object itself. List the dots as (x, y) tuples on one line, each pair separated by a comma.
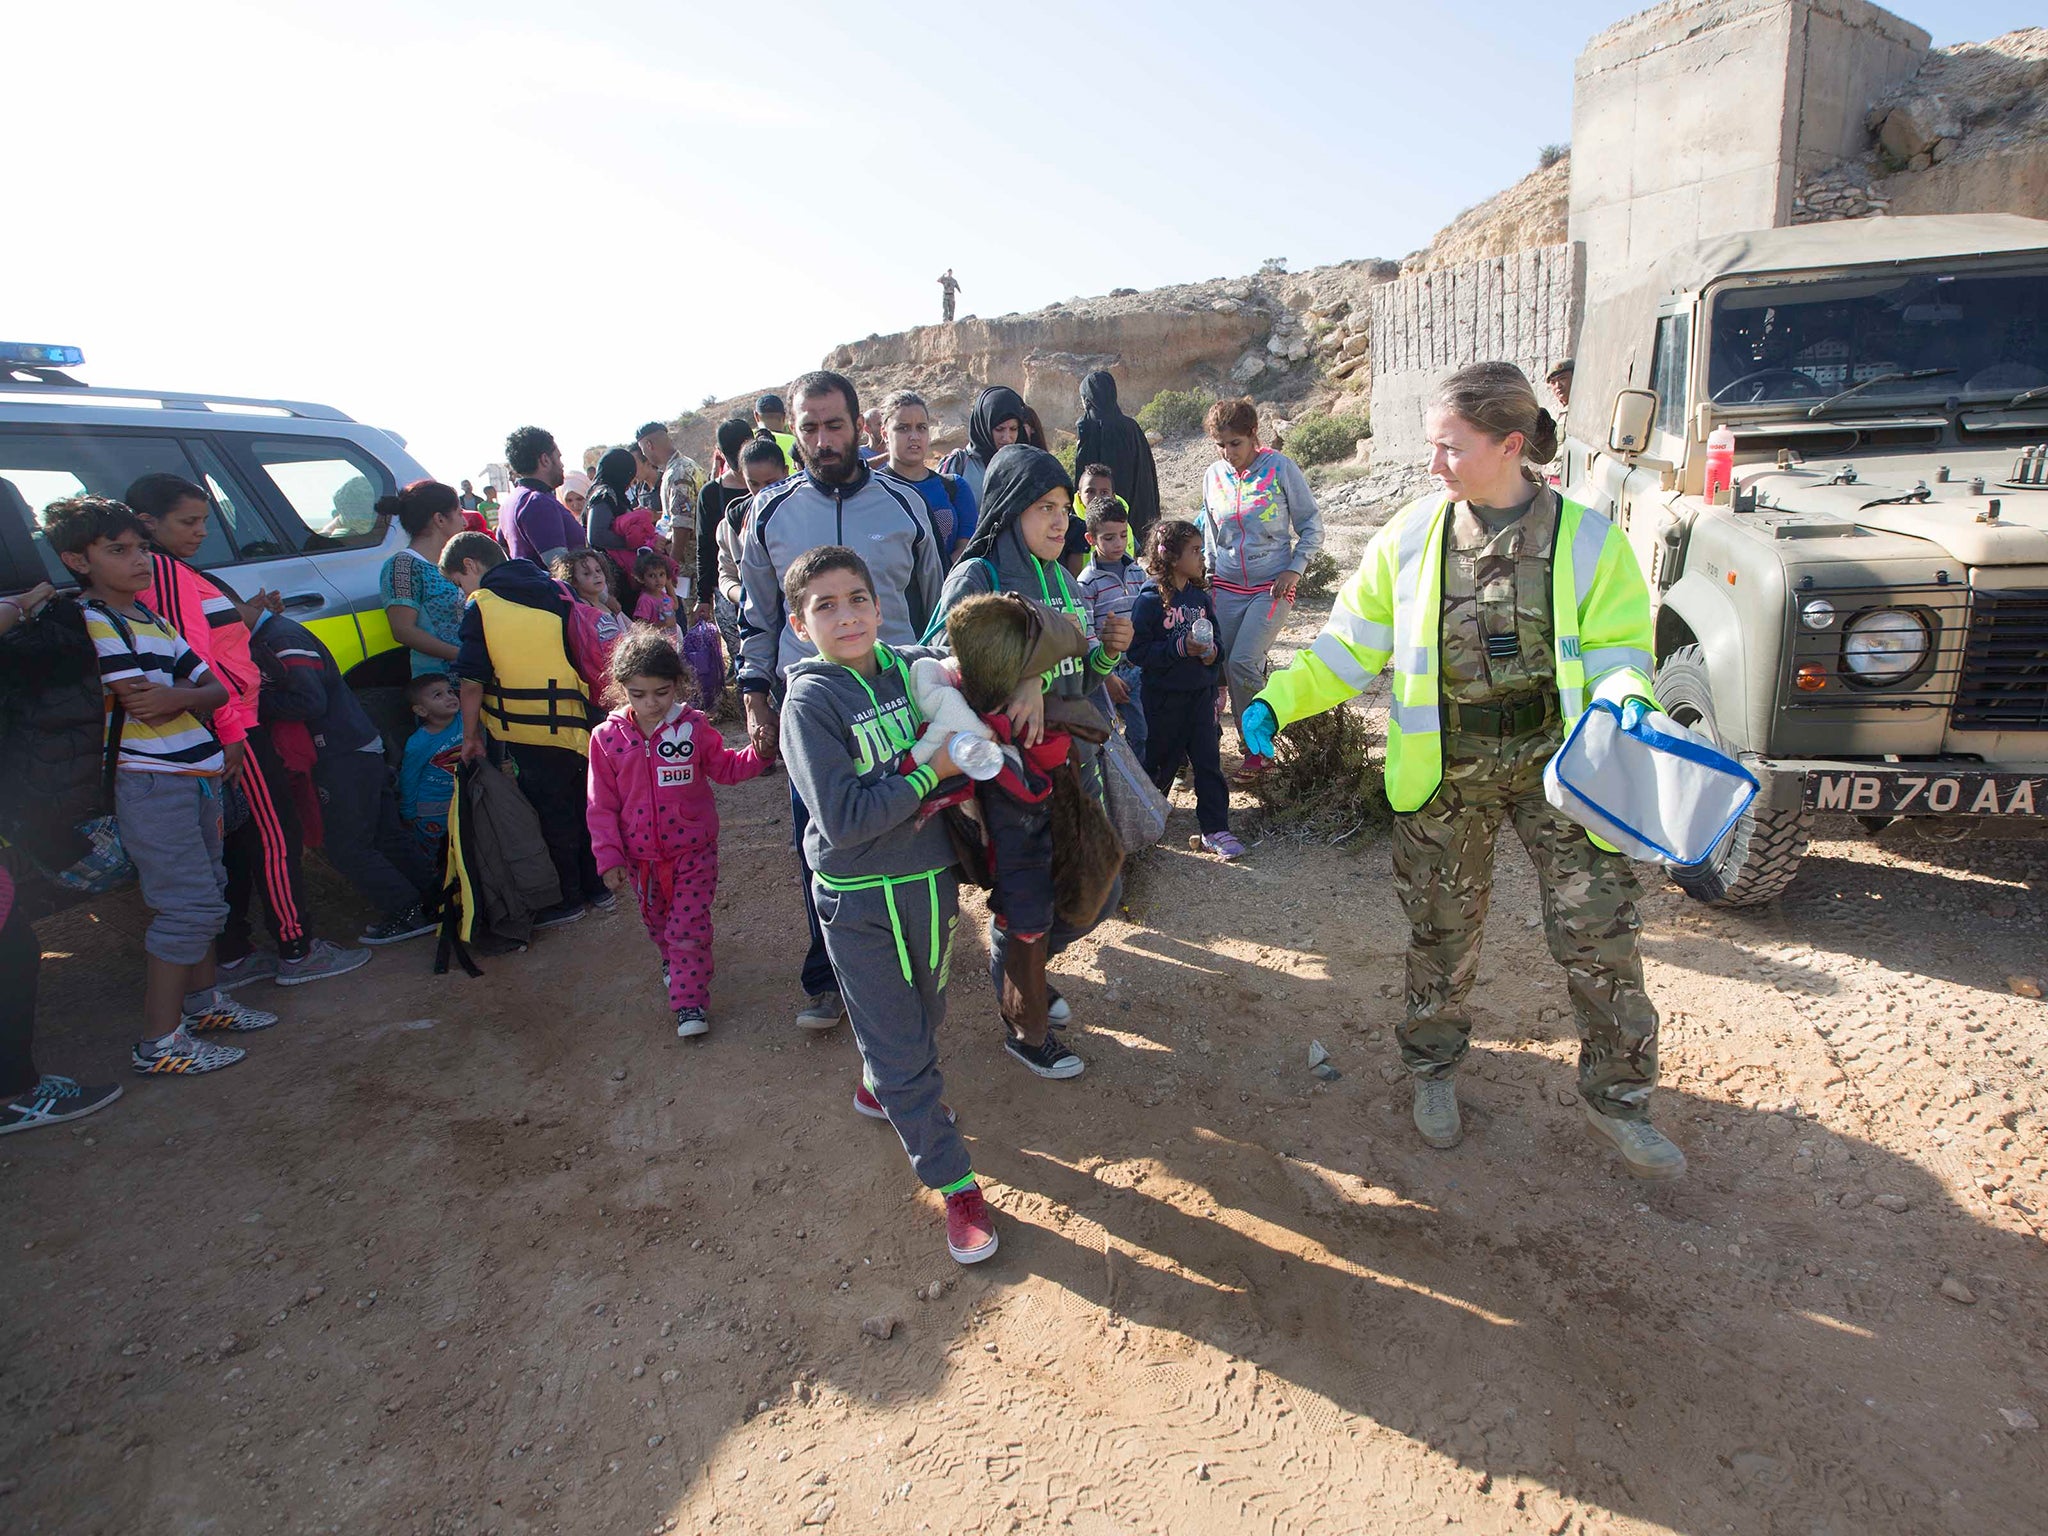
[(30, 354)]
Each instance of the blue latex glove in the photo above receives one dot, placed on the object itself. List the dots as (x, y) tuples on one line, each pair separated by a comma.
[(1258, 727), (1634, 711)]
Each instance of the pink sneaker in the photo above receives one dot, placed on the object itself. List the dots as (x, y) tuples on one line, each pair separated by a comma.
[(970, 1230), (1254, 768), (866, 1103)]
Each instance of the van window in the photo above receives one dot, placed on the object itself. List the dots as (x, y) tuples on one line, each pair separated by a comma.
[(1667, 372), (332, 488), (37, 468), (253, 537)]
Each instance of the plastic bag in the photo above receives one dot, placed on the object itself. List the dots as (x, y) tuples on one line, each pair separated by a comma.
[(704, 653), (1136, 808), (1656, 790)]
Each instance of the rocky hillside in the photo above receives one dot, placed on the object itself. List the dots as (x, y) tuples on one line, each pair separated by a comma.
[(1291, 340), (1530, 213), (1967, 133), (1272, 336)]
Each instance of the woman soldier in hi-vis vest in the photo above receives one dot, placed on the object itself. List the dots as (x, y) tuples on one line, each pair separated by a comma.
[(1503, 609)]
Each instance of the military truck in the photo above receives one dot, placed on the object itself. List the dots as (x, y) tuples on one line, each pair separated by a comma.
[(1861, 612)]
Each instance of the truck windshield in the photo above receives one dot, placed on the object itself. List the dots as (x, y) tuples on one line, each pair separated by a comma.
[(1802, 342)]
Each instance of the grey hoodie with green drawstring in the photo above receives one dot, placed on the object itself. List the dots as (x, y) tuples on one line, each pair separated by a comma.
[(843, 737)]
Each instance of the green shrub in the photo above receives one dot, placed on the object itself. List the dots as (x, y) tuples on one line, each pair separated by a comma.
[(1319, 439), (1325, 783), (1324, 477), (1321, 578), (1175, 412)]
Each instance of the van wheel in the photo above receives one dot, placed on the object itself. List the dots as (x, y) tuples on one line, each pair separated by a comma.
[(1758, 859)]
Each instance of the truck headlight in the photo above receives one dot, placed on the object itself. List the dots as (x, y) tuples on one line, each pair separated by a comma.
[(1818, 613), (1885, 646)]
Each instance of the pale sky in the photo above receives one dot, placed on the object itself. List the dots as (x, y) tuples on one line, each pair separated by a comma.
[(450, 217)]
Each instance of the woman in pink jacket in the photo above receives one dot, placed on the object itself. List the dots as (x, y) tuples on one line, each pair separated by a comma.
[(653, 825)]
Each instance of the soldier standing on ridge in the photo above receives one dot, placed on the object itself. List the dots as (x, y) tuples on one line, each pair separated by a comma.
[(947, 288), (1505, 609)]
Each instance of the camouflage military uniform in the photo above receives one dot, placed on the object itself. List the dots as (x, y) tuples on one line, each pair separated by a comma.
[(1496, 650)]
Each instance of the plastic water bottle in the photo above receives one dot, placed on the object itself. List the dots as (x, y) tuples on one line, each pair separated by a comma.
[(976, 756), (1201, 635), (1720, 460)]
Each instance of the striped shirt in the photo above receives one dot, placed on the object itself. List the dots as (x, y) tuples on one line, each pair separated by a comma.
[(140, 647)]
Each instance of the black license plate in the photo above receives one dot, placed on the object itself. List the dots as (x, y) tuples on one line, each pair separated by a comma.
[(1928, 794)]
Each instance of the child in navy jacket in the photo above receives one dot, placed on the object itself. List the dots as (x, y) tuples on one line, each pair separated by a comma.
[(1175, 648)]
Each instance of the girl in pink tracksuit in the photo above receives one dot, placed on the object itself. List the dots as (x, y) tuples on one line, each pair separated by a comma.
[(653, 825)]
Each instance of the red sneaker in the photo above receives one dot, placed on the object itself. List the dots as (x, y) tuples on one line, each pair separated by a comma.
[(866, 1103), (1254, 768), (970, 1230)]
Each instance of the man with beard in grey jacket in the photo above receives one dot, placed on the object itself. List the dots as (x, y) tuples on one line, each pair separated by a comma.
[(835, 500)]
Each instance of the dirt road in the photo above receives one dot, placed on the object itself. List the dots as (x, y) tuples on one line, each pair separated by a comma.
[(460, 1256)]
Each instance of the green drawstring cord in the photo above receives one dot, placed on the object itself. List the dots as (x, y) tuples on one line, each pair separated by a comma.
[(887, 884)]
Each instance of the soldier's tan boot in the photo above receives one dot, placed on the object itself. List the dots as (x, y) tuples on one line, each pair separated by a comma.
[(1645, 1151), (1436, 1111)]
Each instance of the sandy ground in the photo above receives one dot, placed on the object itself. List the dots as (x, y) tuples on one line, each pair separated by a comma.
[(462, 1256)]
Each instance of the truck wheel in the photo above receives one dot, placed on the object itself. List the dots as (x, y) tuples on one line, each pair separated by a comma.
[(1759, 858)]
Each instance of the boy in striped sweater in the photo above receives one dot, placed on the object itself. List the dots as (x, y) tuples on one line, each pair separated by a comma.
[(264, 849), (165, 770)]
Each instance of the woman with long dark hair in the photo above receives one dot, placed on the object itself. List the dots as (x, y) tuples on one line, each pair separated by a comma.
[(423, 606)]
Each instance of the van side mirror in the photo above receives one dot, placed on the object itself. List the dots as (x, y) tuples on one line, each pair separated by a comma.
[(1634, 411)]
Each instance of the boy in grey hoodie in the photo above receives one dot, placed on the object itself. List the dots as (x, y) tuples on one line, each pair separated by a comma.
[(881, 871)]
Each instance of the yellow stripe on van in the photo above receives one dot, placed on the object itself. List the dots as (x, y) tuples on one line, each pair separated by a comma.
[(375, 624), (340, 637)]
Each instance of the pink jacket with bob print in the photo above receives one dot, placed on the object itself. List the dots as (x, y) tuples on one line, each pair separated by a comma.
[(650, 798)]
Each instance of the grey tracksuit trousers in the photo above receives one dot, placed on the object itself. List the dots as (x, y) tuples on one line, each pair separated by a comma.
[(891, 946), (1245, 632)]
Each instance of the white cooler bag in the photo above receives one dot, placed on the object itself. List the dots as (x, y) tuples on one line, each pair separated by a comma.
[(1660, 792)]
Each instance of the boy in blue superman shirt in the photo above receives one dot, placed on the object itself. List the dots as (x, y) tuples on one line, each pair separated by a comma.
[(424, 786)]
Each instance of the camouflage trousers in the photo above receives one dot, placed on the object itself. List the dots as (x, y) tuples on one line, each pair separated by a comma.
[(1443, 871)]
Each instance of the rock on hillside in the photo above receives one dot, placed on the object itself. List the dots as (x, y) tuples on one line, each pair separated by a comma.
[(1188, 336), (1530, 213), (1967, 133)]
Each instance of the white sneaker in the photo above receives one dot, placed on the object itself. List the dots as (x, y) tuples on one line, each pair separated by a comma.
[(223, 1012), (179, 1052)]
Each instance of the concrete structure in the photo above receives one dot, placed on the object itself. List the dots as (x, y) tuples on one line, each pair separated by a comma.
[(1524, 307), (1697, 118)]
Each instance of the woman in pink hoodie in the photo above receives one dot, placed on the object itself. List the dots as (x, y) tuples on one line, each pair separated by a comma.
[(653, 825)]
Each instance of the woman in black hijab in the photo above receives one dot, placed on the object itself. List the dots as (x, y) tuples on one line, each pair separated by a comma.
[(611, 499), (1110, 437), (1017, 549), (996, 422)]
